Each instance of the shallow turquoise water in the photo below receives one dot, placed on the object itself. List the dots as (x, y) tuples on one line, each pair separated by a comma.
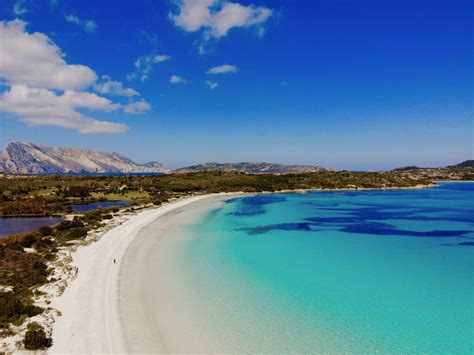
[(388, 271)]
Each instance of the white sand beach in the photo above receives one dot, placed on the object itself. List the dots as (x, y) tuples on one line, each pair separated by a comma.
[(91, 320)]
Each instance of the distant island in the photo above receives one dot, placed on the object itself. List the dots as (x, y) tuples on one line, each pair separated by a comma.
[(464, 164), (253, 168)]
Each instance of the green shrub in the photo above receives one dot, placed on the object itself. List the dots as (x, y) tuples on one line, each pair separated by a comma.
[(13, 309), (45, 231), (40, 266), (65, 225), (28, 240), (35, 338), (77, 232)]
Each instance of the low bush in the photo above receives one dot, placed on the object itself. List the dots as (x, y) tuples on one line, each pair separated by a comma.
[(45, 231), (65, 225), (28, 240), (14, 309), (35, 338), (76, 233), (21, 270)]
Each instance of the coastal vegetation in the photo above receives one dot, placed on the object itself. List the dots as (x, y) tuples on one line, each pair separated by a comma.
[(24, 258), (46, 195)]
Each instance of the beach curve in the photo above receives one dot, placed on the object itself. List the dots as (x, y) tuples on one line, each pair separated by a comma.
[(90, 321)]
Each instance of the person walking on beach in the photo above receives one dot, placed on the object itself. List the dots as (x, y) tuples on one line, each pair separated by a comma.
[(114, 261)]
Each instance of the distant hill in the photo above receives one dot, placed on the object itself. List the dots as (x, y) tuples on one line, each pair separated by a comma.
[(464, 164), (407, 168), (252, 168), (31, 158)]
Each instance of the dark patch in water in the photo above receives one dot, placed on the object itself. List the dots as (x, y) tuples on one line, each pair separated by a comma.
[(304, 227), (371, 228), (254, 205), (262, 199), (470, 244), (462, 244), (248, 211), (386, 229), (363, 218), (383, 213)]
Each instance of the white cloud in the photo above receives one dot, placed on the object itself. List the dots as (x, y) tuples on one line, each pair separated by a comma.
[(137, 107), (144, 66), (193, 14), (223, 69), (217, 17), (211, 84), (111, 87), (42, 89), (34, 60), (202, 49), (38, 106), (18, 8), (90, 26), (87, 25), (176, 79)]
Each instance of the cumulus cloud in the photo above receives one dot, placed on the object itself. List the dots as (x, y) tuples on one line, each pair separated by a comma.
[(111, 87), (211, 84), (223, 69), (137, 107), (176, 79), (144, 66), (38, 106), (217, 17), (88, 26), (34, 60), (42, 89)]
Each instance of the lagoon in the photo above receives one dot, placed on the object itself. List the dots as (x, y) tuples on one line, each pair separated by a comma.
[(11, 226), (99, 205)]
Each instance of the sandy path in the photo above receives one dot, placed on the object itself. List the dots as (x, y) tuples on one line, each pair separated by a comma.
[(90, 322)]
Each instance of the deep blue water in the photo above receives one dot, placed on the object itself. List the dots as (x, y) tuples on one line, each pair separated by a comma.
[(10, 226), (367, 271), (98, 205)]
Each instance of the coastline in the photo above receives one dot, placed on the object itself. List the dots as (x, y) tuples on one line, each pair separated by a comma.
[(61, 297), (351, 189), (89, 319), (92, 315), (155, 313)]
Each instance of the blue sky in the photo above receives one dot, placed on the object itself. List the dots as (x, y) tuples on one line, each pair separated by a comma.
[(345, 84)]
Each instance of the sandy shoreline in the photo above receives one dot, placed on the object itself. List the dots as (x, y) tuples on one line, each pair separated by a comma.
[(82, 304), (156, 314), (90, 321)]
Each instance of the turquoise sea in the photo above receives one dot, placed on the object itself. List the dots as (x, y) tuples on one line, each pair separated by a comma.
[(388, 271)]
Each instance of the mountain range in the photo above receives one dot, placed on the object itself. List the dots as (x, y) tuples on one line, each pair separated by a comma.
[(32, 158)]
